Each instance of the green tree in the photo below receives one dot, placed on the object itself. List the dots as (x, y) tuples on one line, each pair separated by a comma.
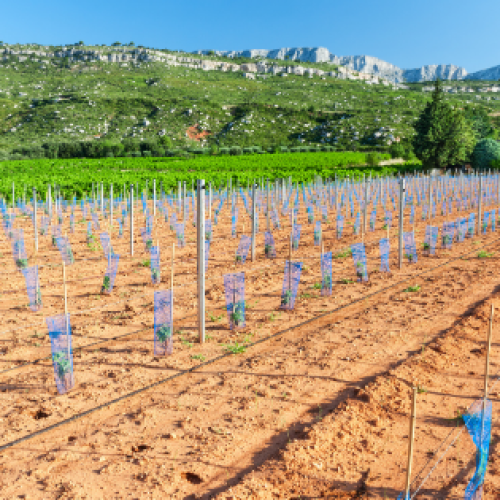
[(165, 141), (479, 120), (485, 152), (444, 137)]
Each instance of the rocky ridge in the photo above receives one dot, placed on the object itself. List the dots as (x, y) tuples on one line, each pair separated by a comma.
[(365, 64)]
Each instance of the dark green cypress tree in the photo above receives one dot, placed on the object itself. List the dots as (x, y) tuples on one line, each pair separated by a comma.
[(444, 137)]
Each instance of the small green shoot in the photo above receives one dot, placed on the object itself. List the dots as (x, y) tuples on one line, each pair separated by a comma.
[(415, 288), (198, 357), (235, 348)]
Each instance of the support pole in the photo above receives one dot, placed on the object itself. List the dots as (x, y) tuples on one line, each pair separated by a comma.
[(111, 205), (254, 212), (401, 213), (131, 220), (480, 204), (35, 222), (412, 440), (50, 203), (487, 370), (200, 225), (154, 197), (268, 206), (210, 200)]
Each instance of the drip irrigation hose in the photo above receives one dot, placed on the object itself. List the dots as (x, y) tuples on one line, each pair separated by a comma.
[(222, 356)]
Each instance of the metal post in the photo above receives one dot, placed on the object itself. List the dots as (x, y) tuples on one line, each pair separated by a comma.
[(480, 204), (50, 203), (201, 258), (184, 204), (430, 198), (111, 204), (365, 206), (210, 200), (154, 196), (35, 225), (131, 220), (254, 189), (401, 212), (268, 206)]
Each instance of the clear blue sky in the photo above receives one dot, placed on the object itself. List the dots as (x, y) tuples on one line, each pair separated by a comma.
[(406, 33)]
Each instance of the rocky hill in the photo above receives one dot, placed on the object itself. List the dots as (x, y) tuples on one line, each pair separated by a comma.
[(365, 64)]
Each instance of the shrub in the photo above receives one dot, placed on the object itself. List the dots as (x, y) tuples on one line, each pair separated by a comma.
[(247, 151), (485, 152), (294, 150), (236, 151), (135, 154), (397, 150), (224, 151), (146, 154), (372, 159)]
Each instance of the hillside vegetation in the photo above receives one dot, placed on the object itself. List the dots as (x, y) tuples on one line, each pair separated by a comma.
[(94, 109)]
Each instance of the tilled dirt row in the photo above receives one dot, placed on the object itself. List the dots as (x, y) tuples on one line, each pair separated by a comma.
[(199, 433), (359, 450)]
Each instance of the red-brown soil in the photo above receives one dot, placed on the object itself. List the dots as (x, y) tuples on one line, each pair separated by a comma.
[(314, 409)]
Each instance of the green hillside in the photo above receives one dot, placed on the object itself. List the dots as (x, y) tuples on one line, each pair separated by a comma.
[(128, 109)]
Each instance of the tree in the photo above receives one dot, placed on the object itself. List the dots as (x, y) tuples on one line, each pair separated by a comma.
[(131, 44), (444, 137), (479, 121), (116, 44), (166, 141), (485, 152), (80, 43)]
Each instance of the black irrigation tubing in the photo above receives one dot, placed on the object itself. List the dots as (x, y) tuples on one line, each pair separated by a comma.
[(338, 272), (218, 358), (81, 348)]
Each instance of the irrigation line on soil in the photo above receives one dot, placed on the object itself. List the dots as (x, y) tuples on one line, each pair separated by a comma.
[(338, 272), (222, 356)]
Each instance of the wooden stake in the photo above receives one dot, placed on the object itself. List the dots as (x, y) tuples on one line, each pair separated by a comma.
[(412, 439), (172, 272), (487, 370)]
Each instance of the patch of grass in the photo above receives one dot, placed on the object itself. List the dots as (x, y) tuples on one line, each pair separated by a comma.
[(483, 254), (317, 286), (214, 318), (347, 281), (145, 263), (235, 348), (186, 343), (343, 255), (198, 357), (415, 288)]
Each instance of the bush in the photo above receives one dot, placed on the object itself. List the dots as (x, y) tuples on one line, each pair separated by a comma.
[(257, 149), (146, 154), (397, 150), (283, 149), (485, 152), (224, 151), (294, 150), (135, 154), (372, 159), (109, 154), (247, 151), (236, 151), (304, 149)]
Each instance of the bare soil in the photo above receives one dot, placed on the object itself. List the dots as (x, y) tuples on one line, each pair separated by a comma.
[(315, 406)]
